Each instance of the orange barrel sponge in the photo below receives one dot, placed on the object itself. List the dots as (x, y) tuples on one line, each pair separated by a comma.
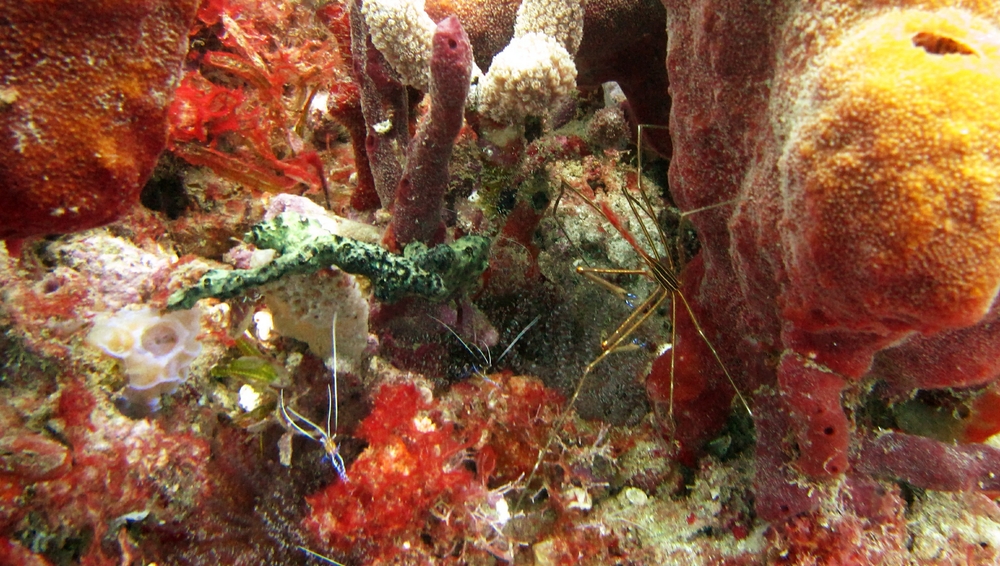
[(891, 179), (84, 89)]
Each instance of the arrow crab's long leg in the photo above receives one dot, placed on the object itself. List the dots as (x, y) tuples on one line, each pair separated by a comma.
[(657, 267)]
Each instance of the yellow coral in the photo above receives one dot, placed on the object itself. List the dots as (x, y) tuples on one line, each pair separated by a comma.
[(891, 178)]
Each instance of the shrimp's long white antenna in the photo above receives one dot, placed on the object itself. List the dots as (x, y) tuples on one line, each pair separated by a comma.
[(326, 437), (519, 336), (285, 410), (318, 555), (489, 359), (463, 342)]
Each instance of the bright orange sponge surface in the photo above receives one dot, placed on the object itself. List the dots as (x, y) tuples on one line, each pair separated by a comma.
[(891, 180)]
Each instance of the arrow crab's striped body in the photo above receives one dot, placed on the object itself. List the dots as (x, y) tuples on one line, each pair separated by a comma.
[(658, 267)]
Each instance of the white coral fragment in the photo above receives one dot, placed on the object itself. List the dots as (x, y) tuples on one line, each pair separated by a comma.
[(157, 351)]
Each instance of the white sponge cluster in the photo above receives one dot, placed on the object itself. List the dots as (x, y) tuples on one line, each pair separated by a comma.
[(527, 77), (562, 20), (157, 351), (304, 306), (403, 32), (536, 68)]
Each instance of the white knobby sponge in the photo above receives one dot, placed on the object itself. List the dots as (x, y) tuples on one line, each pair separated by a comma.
[(527, 77), (303, 307), (536, 68), (562, 20), (156, 350), (403, 32)]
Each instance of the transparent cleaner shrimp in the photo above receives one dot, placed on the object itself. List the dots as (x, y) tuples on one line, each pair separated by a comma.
[(326, 437), (486, 355)]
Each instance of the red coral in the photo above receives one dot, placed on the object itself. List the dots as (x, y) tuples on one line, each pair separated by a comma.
[(421, 489), (202, 110), (412, 469), (203, 113), (242, 112)]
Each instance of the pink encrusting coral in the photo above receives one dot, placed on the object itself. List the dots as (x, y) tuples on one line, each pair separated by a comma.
[(113, 469)]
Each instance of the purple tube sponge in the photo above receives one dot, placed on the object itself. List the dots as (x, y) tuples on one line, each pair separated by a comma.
[(384, 105), (416, 213), (930, 464)]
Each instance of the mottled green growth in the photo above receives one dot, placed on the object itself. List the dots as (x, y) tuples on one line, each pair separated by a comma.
[(251, 367), (247, 369), (917, 417), (19, 366), (306, 246)]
